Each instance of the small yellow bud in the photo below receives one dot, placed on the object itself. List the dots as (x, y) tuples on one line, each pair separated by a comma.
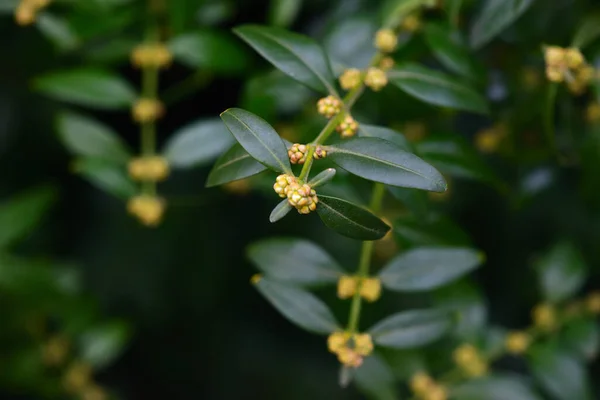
[(348, 127), (151, 56), (386, 63), (386, 40), (554, 74), (347, 286), (411, 23), (329, 106), (436, 392), (585, 74), (363, 344), (376, 79), (488, 140), (319, 153), (255, 278), (148, 209), (25, 14), (465, 354), (544, 317), (38, 4), (420, 383), (593, 302), (55, 351), (147, 110), (337, 341), (77, 377), (476, 369), (574, 58), (349, 358), (517, 342), (149, 169), (554, 56), (350, 79), (370, 289), (93, 392), (282, 184), (302, 197), (297, 153)]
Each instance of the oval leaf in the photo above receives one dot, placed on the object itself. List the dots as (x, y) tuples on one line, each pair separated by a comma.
[(281, 210), (90, 138), (235, 164), (384, 133), (197, 143), (258, 138), (296, 55), (561, 272), (495, 387), (87, 87), (409, 329), (295, 261), (437, 88), (106, 176), (428, 268), (382, 161), (495, 16), (349, 219), (322, 178), (299, 306)]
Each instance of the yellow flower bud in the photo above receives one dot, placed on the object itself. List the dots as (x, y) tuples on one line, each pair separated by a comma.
[(282, 184), (348, 127), (436, 392), (319, 153), (25, 14), (302, 197), (93, 392), (554, 56), (149, 169), (347, 286), (148, 209), (465, 354), (573, 58), (350, 79), (592, 113), (349, 358), (517, 342), (544, 317), (363, 344), (554, 74), (593, 302), (297, 153), (411, 23), (488, 140), (77, 377), (420, 383), (255, 278), (337, 341), (55, 351), (151, 56), (370, 289), (376, 79), (386, 40), (329, 106), (476, 369), (386, 63), (147, 110)]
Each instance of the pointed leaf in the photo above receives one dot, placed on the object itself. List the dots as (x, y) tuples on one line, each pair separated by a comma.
[(561, 272), (382, 161), (322, 178), (281, 210), (350, 220), (384, 133), (296, 55), (495, 17), (495, 387), (589, 30), (294, 261), (437, 88), (376, 379), (450, 50), (235, 164), (299, 306), (258, 138), (409, 329), (428, 268), (57, 30), (106, 176)]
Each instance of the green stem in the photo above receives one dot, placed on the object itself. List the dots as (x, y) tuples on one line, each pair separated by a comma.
[(549, 117)]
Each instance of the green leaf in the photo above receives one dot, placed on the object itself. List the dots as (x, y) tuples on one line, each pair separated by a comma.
[(235, 164), (589, 30), (466, 303), (410, 329), (106, 176), (296, 55), (349, 42), (322, 178), (210, 50), (258, 138), (382, 161), (57, 30), (386, 134), (582, 337), (375, 379), (428, 268), (435, 230), (87, 87), (495, 387), (561, 272), (294, 261), (197, 143), (21, 213), (87, 137), (495, 17), (450, 50), (281, 210), (299, 306), (349, 219), (8, 6), (283, 12), (103, 344), (437, 88), (562, 376)]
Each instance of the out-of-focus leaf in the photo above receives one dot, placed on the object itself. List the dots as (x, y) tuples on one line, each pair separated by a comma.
[(87, 137), (561, 272), (103, 344), (322, 178), (582, 336), (495, 16), (467, 305), (450, 50), (412, 231), (414, 200), (394, 10), (106, 176), (382, 161), (410, 329), (375, 379), (294, 261), (300, 307), (57, 30), (495, 387), (384, 133), (8, 6), (87, 87), (428, 268), (197, 143), (296, 55), (215, 12), (283, 12), (437, 88), (233, 165), (589, 30), (350, 220), (20, 213), (349, 44)]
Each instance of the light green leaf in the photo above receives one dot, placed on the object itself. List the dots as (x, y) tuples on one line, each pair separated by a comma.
[(281, 210), (57, 30), (495, 387), (384, 133), (296, 55), (322, 178), (235, 164), (294, 261), (87, 87), (495, 17), (450, 50), (103, 344), (382, 161), (589, 30), (561, 272), (197, 143), (300, 307), (349, 219), (437, 88), (467, 305), (21, 213), (375, 379), (410, 329), (582, 337), (258, 138), (428, 268), (87, 137), (106, 176), (283, 12)]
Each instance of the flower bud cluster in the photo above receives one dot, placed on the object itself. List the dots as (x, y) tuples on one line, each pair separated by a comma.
[(568, 65), (147, 208), (368, 288), (149, 169), (470, 361), (425, 388), (300, 196), (153, 55), (350, 348)]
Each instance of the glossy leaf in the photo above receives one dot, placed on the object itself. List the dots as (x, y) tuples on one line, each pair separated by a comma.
[(588, 32), (428, 268), (294, 261), (106, 176), (258, 138), (495, 387), (437, 88), (87, 87), (495, 17), (450, 50), (382, 161), (350, 220), (410, 329), (375, 379), (235, 164), (582, 337), (87, 137), (322, 178), (384, 133), (103, 344), (299, 306), (197, 143), (296, 55), (561, 272), (281, 210)]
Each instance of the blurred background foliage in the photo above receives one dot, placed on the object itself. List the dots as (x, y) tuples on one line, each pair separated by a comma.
[(169, 312)]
